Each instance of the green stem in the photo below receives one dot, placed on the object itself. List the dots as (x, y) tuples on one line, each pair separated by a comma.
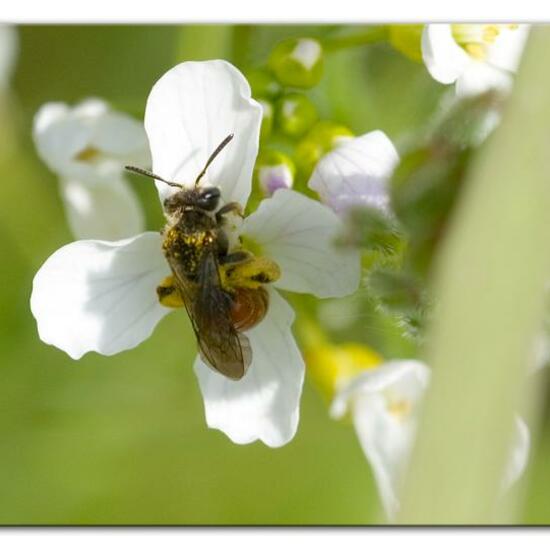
[(368, 35), (490, 283), (203, 42), (241, 48)]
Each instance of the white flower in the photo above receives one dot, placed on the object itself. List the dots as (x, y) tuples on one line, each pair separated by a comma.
[(356, 173), (384, 404), (87, 146), (100, 296), (8, 52), (476, 57)]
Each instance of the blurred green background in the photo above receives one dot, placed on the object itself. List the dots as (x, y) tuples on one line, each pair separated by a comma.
[(111, 440)]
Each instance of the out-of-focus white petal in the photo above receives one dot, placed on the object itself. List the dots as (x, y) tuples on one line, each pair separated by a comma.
[(443, 57), (264, 404), (479, 77), (356, 173), (410, 377), (108, 211), (122, 137), (383, 403), (190, 110), (89, 142), (100, 296), (519, 454), (90, 108), (298, 233), (8, 53), (506, 51), (59, 137), (540, 353)]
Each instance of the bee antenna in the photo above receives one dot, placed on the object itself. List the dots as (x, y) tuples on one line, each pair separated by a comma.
[(216, 152), (144, 172)]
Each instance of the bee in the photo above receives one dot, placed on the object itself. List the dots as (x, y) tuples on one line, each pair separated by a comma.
[(221, 289)]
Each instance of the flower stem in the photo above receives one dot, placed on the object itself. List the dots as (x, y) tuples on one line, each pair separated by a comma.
[(490, 283), (367, 35)]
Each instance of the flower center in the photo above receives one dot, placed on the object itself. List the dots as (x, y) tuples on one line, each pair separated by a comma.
[(477, 39), (89, 154), (399, 408)]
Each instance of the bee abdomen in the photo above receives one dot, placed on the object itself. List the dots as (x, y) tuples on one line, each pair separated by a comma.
[(249, 307)]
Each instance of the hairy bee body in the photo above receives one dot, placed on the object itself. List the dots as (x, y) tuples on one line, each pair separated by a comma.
[(221, 290), (204, 280), (190, 238)]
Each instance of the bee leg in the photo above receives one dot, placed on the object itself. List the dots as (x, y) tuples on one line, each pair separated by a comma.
[(230, 207), (222, 244), (168, 293), (253, 272)]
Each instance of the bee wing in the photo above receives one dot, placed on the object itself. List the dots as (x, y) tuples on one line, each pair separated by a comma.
[(221, 346)]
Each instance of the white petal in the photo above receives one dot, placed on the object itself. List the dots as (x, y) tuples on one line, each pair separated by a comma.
[(264, 404), (62, 133), (387, 444), (107, 211), (443, 57), (298, 233), (480, 77), (356, 173), (386, 437), (8, 52), (190, 110), (122, 137), (100, 296), (507, 49), (91, 108), (519, 455), (540, 352), (409, 377), (49, 114), (59, 136)]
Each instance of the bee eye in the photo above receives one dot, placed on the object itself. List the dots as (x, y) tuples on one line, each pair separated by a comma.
[(208, 199)]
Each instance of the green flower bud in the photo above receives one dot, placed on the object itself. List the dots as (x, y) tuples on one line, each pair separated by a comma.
[(407, 40), (329, 134), (307, 155), (267, 119), (323, 137), (297, 62), (274, 170), (263, 84), (296, 114)]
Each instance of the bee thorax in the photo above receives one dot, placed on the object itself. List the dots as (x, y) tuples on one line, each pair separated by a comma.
[(187, 247)]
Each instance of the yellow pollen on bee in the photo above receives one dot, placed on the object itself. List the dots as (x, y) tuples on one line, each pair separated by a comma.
[(168, 293), (400, 408), (251, 273), (89, 154)]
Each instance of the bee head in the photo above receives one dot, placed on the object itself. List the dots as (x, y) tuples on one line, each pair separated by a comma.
[(205, 198)]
